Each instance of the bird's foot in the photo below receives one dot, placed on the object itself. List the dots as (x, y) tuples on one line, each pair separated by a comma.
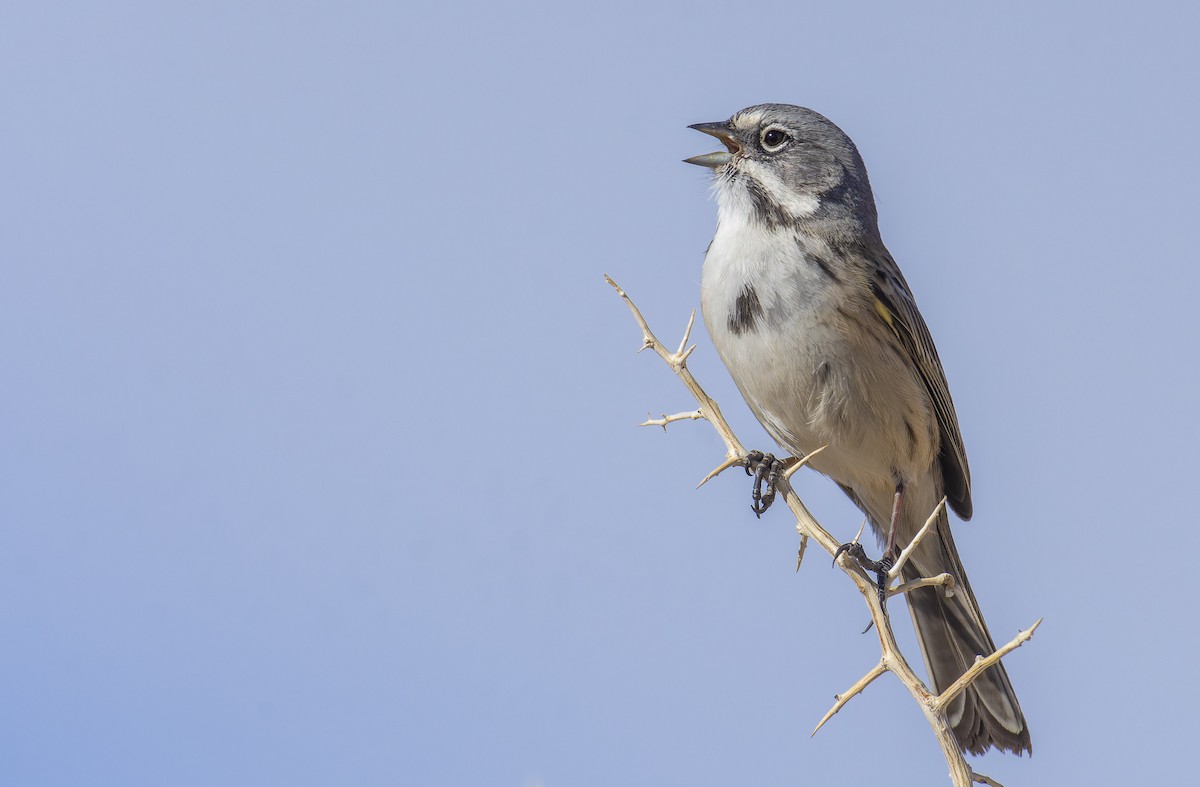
[(879, 568), (766, 469)]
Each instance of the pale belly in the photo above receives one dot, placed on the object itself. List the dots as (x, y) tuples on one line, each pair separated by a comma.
[(817, 366)]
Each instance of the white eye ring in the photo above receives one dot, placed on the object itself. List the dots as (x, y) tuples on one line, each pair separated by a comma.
[(774, 138)]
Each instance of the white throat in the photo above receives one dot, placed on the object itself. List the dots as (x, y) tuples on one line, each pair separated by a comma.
[(794, 204)]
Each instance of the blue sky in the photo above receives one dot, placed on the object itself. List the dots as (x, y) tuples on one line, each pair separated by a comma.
[(319, 459)]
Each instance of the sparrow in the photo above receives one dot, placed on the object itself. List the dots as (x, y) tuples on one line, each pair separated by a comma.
[(821, 333)]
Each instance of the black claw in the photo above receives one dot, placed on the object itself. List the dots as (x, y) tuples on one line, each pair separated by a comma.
[(856, 551), (879, 568), (765, 468)]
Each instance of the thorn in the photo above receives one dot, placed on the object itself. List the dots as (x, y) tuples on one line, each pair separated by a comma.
[(905, 553), (801, 463), (721, 468), (842, 699), (687, 333), (800, 552)]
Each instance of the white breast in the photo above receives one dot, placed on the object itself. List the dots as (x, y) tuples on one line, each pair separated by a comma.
[(800, 365), (773, 357)]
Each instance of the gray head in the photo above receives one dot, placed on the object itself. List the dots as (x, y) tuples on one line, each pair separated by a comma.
[(785, 165)]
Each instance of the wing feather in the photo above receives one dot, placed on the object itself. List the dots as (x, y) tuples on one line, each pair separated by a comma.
[(895, 303)]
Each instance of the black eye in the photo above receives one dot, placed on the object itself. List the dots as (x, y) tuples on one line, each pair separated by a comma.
[(774, 138)]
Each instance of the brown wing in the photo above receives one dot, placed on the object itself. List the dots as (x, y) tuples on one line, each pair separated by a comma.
[(898, 308)]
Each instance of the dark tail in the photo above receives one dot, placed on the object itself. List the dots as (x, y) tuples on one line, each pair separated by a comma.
[(952, 632)]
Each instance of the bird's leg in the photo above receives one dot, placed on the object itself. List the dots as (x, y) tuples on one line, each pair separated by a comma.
[(881, 567), (890, 552), (766, 469)]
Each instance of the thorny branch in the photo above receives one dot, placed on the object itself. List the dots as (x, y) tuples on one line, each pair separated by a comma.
[(891, 660)]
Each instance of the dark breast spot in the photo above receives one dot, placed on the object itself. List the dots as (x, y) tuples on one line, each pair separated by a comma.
[(746, 311)]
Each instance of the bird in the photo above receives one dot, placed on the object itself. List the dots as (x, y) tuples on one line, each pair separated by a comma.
[(821, 334)]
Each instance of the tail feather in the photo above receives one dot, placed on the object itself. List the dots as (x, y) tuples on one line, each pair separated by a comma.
[(951, 632)]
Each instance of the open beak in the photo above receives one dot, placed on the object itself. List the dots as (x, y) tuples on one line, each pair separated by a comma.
[(723, 132)]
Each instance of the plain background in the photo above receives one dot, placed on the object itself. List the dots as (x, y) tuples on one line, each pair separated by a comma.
[(319, 460)]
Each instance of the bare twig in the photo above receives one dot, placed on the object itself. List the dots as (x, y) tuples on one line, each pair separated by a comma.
[(850, 693), (721, 468), (670, 419), (916, 540), (678, 362), (683, 352), (861, 528), (791, 471), (891, 660), (944, 699), (941, 580)]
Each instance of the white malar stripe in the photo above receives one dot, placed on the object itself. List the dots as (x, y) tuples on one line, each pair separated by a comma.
[(798, 206)]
